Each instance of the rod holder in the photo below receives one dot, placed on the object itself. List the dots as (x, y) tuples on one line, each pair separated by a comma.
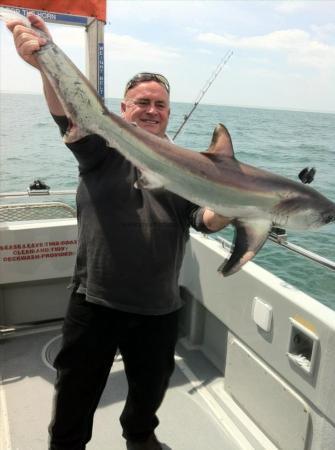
[(303, 347)]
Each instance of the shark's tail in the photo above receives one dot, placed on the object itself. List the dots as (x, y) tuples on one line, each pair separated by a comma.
[(6, 15)]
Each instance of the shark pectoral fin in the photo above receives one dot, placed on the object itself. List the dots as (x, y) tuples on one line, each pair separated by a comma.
[(221, 142), (249, 238), (307, 175), (148, 180)]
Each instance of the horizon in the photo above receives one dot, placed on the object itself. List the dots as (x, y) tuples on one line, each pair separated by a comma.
[(288, 109)]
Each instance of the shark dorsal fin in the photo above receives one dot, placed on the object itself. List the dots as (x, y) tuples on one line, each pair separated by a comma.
[(221, 142)]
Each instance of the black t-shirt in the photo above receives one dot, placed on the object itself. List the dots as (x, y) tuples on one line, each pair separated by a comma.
[(131, 242)]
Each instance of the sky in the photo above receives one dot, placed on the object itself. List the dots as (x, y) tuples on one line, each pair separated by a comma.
[(283, 51)]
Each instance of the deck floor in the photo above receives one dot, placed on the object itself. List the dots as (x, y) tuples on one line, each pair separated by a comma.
[(187, 422)]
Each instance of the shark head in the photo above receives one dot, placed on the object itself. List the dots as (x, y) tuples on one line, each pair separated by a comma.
[(284, 203), (307, 210)]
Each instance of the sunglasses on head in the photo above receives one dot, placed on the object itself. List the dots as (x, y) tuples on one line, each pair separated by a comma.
[(147, 76)]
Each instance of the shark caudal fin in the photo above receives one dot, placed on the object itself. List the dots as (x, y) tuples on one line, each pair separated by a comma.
[(221, 142), (249, 239), (7, 15)]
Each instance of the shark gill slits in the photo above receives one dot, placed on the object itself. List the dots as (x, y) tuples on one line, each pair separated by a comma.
[(329, 218)]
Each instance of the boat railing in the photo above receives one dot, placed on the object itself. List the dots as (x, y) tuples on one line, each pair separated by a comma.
[(278, 237), (36, 211), (33, 193), (281, 239), (42, 210)]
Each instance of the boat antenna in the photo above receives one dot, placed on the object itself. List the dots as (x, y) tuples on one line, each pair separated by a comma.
[(203, 91)]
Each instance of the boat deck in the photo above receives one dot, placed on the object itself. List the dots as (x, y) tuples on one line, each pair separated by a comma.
[(191, 417)]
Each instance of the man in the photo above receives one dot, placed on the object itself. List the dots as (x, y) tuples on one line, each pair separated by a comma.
[(125, 285)]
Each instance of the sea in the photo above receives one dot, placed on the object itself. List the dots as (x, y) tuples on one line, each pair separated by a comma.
[(283, 142)]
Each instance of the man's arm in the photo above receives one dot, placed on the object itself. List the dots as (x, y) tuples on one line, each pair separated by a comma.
[(27, 42), (214, 222), (205, 220)]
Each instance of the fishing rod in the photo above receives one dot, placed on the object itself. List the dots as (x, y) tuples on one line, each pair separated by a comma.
[(203, 91)]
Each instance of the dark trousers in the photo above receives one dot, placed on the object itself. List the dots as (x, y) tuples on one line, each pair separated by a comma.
[(91, 336)]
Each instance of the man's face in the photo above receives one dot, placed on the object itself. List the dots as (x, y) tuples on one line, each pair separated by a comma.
[(147, 104)]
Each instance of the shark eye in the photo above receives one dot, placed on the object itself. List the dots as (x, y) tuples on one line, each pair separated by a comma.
[(329, 219)]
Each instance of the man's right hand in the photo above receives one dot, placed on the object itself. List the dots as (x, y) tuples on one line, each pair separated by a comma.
[(26, 40)]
